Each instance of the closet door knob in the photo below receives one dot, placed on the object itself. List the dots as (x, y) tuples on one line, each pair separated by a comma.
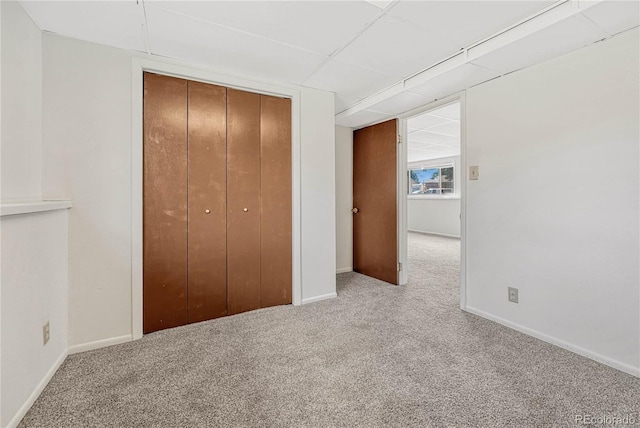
[(245, 209), (207, 211)]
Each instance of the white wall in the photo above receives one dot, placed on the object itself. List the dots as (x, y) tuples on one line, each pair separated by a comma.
[(318, 195), (431, 215), (34, 246), (555, 211), (344, 199), (34, 291), (21, 104), (436, 214), (87, 151)]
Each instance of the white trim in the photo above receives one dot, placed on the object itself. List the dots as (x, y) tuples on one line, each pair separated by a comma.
[(433, 233), (402, 209), (103, 343), (10, 207), (22, 411), (139, 65), (319, 298), (462, 175), (634, 371), (345, 270)]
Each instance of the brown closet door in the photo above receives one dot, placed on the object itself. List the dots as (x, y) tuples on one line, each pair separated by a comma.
[(275, 228), (207, 246), (243, 201), (375, 235), (164, 203)]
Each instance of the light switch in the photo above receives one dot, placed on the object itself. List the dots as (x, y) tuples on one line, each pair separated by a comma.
[(474, 172)]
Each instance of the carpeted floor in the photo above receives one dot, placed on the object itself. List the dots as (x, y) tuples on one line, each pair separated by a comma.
[(378, 355)]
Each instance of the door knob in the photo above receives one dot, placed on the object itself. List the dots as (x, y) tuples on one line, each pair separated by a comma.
[(207, 211), (355, 211), (245, 209)]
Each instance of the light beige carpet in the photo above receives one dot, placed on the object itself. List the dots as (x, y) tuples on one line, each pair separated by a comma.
[(378, 355)]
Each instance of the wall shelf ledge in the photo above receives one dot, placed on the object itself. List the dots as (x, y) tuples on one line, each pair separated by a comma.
[(16, 207)]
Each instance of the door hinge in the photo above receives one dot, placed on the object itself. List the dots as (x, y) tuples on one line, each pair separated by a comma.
[(399, 267), (399, 139)]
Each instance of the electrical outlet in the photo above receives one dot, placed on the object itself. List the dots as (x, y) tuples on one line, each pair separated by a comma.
[(46, 333), (513, 295)]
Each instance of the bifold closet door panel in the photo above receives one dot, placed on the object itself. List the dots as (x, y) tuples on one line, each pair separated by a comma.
[(207, 212), (275, 229), (243, 201), (164, 202)]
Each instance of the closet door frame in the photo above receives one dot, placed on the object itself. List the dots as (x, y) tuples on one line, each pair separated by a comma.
[(176, 69)]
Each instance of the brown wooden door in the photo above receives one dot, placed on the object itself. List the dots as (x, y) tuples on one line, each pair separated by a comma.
[(375, 234), (275, 218), (165, 203), (243, 201), (207, 226), (217, 202)]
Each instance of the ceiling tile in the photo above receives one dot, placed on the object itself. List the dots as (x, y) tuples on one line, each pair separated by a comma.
[(450, 111), (117, 24), (430, 137), (425, 121), (453, 81), (555, 40), (342, 103), (348, 80), (319, 26), (451, 129), (402, 102), (201, 42), (396, 48), (472, 20), (615, 16)]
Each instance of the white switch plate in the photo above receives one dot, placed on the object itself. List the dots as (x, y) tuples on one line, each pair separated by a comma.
[(474, 172)]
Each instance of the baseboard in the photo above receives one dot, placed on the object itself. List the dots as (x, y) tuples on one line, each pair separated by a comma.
[(433, 233), (90, 346), (634, 371), (318, 298), (344, 270), (37, 391)]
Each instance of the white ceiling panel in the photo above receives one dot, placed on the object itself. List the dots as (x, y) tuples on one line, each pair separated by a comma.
[(117, 24), (433, 138), (472, 20), (456, 80), (342, 103), (450, 111), (348, 80), (364, 117), (426, 121), (394, 47), (615, 16), (401, 103), (315, 25), (201, 42), (451, 129), (555, 40)]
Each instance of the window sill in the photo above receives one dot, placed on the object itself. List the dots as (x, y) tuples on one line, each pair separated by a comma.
[(434, 197)]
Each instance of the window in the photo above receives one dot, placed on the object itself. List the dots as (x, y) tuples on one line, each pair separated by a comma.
[(432, 180)]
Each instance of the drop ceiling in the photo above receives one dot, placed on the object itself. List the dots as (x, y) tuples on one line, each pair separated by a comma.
[(434, 134), (377, 56)]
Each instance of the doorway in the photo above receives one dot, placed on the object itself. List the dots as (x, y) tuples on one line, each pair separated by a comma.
[(433, 202)]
